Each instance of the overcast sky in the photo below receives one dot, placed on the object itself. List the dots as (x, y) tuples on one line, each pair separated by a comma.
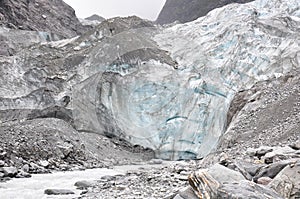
[(148, 9)]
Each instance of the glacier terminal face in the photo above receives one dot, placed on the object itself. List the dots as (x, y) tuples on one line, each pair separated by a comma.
[(169, 89)]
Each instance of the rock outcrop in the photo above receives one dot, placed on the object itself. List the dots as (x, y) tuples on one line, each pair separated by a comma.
[(189, 10), (39, 15)]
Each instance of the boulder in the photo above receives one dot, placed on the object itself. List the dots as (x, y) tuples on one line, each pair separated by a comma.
[(287, 182), (83, 184), (2, 163), (222, 174), (9, 171), (206, 187), (58, 192), (186, 193), (295, 145), (273, 169)]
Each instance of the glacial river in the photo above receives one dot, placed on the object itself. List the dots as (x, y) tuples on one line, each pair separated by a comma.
[(34, 187)]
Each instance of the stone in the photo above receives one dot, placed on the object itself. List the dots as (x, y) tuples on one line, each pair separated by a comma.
[(25, 168), (2, 163), (83, 184), (44, 163), (273, 169), (295, 145), (187, 193), (279, 151), (246, 189), (264, 180), (9, 171), (223, 174), (58, 192), (205, 186), (107, 178), (155, 161), (287, 182), (23, 174), (238, 166)]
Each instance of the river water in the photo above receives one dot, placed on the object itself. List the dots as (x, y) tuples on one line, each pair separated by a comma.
[(34, 187)]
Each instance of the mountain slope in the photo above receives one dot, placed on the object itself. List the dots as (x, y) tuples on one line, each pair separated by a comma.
[(189, 10), (53, 16)]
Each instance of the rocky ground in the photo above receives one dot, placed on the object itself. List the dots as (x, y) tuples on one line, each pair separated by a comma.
[(266, 172), (45, 145)]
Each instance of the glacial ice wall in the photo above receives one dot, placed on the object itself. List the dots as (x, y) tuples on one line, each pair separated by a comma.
[(170, 90)]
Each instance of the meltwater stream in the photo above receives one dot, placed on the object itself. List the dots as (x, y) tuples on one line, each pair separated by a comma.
[(34, 187)]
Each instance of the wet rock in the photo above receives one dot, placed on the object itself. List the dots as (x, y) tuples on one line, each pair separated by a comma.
[(287, 182), (58, 192), (9, 171), (83, 184)]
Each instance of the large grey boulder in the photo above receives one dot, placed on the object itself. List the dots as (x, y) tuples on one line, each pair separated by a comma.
[(287, 182), (206, 186)]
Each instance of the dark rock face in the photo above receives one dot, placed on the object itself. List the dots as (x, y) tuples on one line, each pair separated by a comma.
[(189, 10), (49, 16)]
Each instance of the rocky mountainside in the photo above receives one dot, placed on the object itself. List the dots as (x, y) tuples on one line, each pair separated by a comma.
[(53, 16), (95, 18), (189, 10)]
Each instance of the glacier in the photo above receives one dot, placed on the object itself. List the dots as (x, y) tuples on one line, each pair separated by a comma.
[(169, 88)]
